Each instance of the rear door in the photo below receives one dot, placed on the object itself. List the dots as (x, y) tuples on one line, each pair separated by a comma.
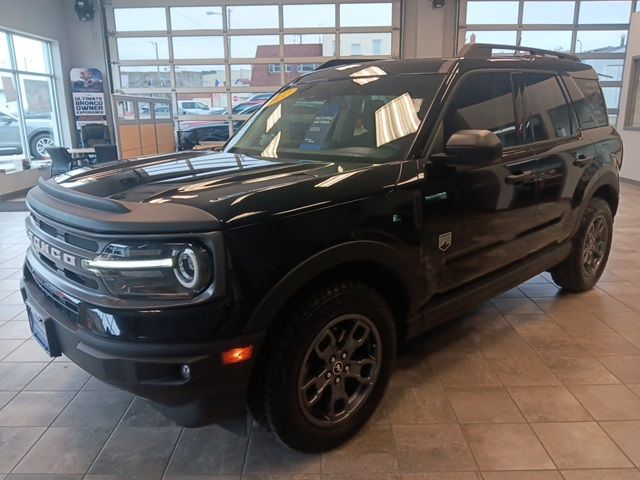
[(561, 153)]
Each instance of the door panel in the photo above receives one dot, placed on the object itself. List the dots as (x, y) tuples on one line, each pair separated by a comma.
[(486, 213), (476, 217)]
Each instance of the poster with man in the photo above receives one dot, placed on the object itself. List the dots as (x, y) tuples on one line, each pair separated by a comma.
[(88, 96)]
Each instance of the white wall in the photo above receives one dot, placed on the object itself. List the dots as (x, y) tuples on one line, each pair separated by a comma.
[(428, 31), (631, 138)]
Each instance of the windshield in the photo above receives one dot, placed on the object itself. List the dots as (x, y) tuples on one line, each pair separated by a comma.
[(362, 118)]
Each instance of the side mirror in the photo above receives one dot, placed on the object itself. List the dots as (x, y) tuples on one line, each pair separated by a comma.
[(473, 145), (7, 120)]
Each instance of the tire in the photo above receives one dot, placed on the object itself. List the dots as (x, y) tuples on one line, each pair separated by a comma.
[(590, 250), (339, 333), (39, 143)]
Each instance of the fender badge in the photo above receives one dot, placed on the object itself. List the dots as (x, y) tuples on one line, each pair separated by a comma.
[(444, 241)]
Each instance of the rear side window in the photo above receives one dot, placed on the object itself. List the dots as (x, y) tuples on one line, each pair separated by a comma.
[(548, 115), (484, 101), (588, 102)]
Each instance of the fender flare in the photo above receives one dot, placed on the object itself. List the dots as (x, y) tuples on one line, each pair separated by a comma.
[(39, 132), (608, 178), (374, 252)]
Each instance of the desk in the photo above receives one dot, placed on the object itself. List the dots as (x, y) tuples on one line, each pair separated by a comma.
[(81, 152), (216, 146)]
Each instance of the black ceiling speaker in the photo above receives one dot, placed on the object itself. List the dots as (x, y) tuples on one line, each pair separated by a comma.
[(438, 3), (85, 10)]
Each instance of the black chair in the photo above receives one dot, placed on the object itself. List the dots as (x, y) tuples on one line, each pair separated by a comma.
[(93, 134), (106, 153), (62, 161)]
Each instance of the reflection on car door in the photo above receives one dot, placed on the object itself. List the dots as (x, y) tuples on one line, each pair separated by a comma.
[(477, 217)]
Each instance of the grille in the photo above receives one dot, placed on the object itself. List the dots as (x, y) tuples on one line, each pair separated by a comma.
[(70, 238), (68, 308), (68, 241)]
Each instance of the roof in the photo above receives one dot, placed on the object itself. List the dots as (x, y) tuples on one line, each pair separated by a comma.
[(343, 68)]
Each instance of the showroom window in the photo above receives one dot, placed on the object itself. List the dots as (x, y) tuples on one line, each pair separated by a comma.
[(232, 56), (594, 30), (28, 115)]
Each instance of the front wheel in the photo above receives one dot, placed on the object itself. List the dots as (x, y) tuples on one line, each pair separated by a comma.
[(330, 367), (590, 252)]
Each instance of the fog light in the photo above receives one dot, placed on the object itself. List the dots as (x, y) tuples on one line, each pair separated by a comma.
[(185, 370), (237, 355)]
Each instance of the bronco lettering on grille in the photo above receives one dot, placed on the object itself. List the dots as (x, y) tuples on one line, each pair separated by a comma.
[(51, 251)]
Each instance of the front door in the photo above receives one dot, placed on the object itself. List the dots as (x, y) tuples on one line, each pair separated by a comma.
[(477, 217)]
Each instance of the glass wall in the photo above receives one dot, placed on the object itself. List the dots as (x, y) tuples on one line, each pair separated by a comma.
[(594, 30), (28, 117), (220, 63)]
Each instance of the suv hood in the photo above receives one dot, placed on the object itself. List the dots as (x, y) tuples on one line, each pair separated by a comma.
[(235, 189)]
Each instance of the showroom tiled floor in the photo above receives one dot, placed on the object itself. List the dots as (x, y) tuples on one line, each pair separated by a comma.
[(533, 385)]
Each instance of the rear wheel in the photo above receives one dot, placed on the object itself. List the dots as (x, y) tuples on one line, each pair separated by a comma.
[(38, 145), (591, 246), (330, 367)]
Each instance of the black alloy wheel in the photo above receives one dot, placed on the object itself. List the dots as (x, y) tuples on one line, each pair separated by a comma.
[(339, 369), (595, 245)]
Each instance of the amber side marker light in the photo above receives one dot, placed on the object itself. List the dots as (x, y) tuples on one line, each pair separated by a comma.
[(237, 355)]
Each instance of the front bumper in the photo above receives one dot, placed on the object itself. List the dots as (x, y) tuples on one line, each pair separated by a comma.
[(212, 392)]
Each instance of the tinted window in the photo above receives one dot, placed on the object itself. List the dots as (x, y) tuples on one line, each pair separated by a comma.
[(588, 102), (548, 114), (483, 101)]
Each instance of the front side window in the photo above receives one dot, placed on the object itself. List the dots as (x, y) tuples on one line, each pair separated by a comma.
[(370, 119), (547, 114), (484, 101), (588, 102)]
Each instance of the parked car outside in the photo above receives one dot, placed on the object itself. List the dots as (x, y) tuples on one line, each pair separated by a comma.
[(193, 107), (39, 135), (193, 132)]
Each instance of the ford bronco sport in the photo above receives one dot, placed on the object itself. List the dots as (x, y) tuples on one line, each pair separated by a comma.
[(362, 205)]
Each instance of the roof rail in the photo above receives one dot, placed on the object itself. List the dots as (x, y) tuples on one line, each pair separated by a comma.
[(485, 50), (338, 62)]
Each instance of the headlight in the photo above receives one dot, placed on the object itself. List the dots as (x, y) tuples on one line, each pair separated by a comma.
[(156, 270)]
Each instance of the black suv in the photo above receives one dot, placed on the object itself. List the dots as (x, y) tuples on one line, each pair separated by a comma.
[(362, 205)]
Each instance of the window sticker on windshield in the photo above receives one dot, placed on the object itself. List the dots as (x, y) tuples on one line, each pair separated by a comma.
[(281, 96), (319, 129), (396, 119)]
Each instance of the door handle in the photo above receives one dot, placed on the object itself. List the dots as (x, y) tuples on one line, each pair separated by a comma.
[(582, 160), (519, 177)]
